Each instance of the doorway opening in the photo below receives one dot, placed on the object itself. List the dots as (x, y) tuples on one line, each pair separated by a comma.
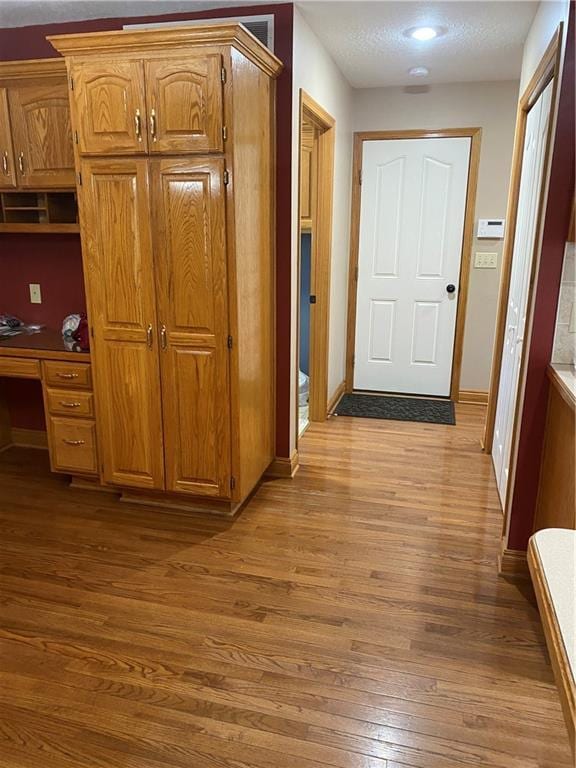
[(413, 204), (316, 181)]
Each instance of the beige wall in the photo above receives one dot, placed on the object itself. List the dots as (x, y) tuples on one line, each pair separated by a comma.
[(315, 72), (491, 106), (550, 13)]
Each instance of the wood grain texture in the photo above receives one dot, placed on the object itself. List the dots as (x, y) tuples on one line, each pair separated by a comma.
[(350, 617), (556, 647), (184, 103), (119, 274), (556, 505), (251, 258), (145, 41), (7, 165), (109, 106), (477, 396), (19, 368), (191, 292), (42, 135)]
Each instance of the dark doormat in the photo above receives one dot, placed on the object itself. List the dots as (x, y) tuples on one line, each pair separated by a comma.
[(397, 408)]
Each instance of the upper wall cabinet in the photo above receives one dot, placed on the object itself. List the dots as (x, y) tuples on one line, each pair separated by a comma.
[(109, 107), (8, 174), (132, 107), (35, 131)]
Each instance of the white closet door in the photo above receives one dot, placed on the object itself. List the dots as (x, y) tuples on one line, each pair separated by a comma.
[(411, 226), (526, 224)]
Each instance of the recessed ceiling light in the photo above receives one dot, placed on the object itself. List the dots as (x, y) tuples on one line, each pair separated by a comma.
[(419, 71), (423, 33)]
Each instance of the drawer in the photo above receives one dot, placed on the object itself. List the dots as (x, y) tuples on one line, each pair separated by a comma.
[(69, 375), (19, 367), (63, 402), (73, 445)]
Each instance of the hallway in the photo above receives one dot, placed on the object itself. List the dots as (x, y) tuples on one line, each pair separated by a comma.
[(351, 617)]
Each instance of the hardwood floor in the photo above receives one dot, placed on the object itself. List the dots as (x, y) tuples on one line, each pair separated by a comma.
[(351, 618)]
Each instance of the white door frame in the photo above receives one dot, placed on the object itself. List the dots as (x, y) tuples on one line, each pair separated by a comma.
[(474, 134)]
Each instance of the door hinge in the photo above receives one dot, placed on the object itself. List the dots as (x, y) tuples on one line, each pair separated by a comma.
[(224, 132), (226, 177), (312, 299), (71, 83), (360, 176), (356, 273), (76, 137), (79, 179), (91, 331), (223, 75), (232, 483), (230, 342)]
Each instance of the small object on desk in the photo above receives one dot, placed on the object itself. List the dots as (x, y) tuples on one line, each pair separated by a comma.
[(75, 332), (12, 326)]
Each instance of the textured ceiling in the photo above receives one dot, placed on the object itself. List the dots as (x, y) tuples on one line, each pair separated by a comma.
[(483, 40)]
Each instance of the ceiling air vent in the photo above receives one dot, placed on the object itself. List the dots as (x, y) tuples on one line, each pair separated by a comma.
[(261, 27)]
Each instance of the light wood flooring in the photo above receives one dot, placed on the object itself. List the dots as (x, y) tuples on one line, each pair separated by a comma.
[(351, 618)]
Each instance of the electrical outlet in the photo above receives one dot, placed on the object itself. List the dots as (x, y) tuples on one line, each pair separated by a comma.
[(483, 260), (35, 294)]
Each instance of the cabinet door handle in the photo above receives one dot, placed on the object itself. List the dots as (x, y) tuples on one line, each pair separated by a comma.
[(66, 375), (73, 442), (149, 337), (153, 125), (163, 338), (5, 163), (138, 124), (21, 162), (64, 404)]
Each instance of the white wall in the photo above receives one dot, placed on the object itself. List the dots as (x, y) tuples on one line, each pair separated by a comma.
[(492, 107), (315, 72)]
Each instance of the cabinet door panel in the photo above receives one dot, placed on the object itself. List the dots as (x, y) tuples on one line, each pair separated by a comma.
[(188, 204), (40, 117), (184, 98), (7, 169), (120, 282), (109, 107)]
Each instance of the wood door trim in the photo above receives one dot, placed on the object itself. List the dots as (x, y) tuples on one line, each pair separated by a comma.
[(321, 254), (475, 135), (547, 69)]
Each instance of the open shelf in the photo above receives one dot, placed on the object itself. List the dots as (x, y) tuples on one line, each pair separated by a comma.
[(38, 212)]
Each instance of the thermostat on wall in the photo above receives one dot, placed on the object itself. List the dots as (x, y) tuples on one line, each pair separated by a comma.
[(491, 228)]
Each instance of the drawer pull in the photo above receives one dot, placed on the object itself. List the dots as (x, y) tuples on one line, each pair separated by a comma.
[(64, 404), (66, 375), (74, 442)]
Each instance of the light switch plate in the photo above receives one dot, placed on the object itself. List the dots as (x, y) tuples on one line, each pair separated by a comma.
[(483, 260), (35, 293)]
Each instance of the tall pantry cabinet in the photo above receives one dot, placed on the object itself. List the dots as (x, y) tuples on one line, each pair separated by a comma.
[(174, 135)]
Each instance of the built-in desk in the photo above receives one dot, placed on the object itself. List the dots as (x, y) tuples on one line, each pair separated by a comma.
[(66, 378)]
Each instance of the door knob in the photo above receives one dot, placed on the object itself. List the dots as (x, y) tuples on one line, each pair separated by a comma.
[(450, 288)]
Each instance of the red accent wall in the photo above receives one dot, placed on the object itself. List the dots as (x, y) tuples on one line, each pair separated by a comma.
[(556, 223), (30, 43)]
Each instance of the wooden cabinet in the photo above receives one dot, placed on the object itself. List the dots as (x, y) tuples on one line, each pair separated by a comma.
[(178, 257), (35, 126), (556, 505), (40, 117), (8, 169), (132, 107), (191, 289), (119, 272), (109, 107)]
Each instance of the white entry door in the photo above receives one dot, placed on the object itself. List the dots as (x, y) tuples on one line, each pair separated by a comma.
[(411, 224), (522, 257)]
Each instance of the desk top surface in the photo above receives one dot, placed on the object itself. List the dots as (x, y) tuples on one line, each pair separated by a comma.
[(44, 345)]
